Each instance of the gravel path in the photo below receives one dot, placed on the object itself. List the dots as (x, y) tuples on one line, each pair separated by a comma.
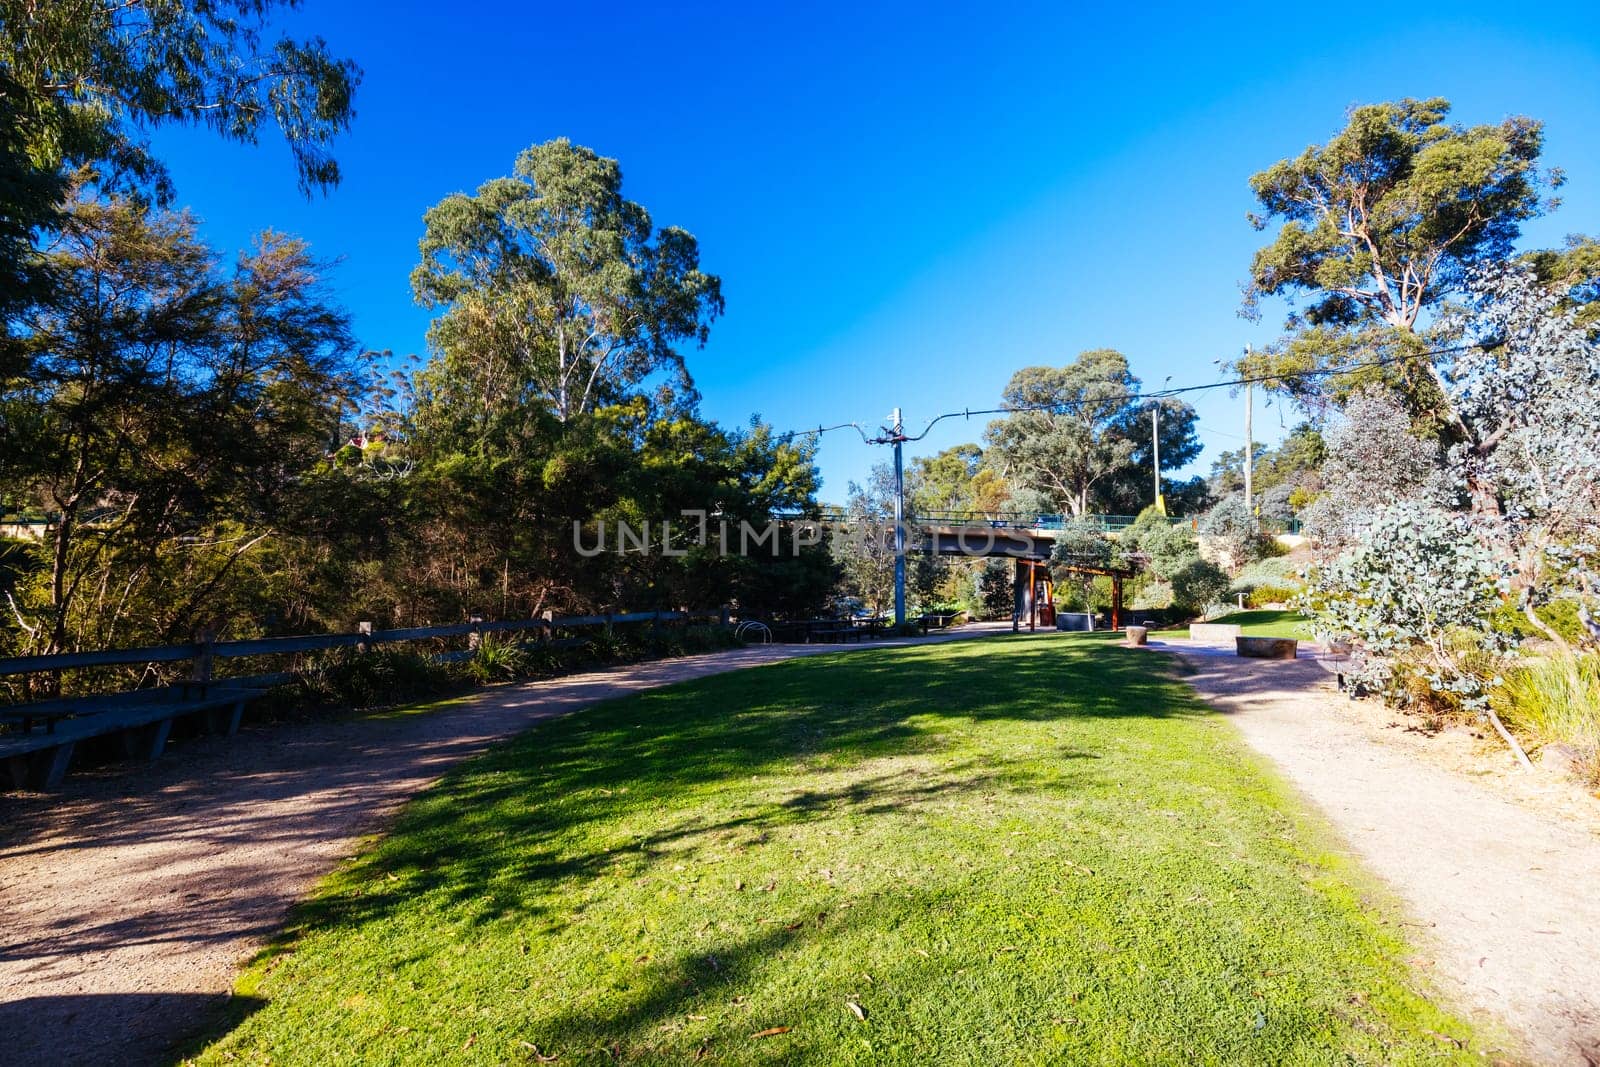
[(129, 898), (1506, 897)]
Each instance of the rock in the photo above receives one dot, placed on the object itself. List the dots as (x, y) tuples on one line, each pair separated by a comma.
[(1267, 647)]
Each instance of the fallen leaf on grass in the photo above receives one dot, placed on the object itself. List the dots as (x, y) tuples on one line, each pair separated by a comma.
[(537, 1055), (857, 1010), (771, 1031), (473, 1040), (923, 953)]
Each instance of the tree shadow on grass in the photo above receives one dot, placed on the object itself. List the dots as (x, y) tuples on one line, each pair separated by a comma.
[(624, 757), (498, 837)]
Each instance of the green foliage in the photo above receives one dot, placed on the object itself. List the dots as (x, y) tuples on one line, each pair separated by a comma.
[(1415, 589), (1400, 193), (1163, 547), (556, 290), (1234, 533), (387, 674), (497, 658), (994, 588), (1574, 273), (167, 414), (1377, 226), (1268, 581), (1014, 825), (1295, 460), (1555, 699), (88, 77), (1198, 584), (1089, 447)]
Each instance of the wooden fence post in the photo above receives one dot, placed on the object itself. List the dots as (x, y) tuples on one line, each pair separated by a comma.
[(205, 641), (365, 630), (475, 638)]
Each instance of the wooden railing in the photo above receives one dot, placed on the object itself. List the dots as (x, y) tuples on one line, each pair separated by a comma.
[(204, 652)]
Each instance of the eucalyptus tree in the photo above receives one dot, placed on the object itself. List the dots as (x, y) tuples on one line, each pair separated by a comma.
[(88, 77), (1372, 459), (1079, 434), (1375, 229), (1573, 274), (556, 291)]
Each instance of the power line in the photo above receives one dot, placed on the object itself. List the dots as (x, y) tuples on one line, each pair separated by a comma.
[(1159, 394)]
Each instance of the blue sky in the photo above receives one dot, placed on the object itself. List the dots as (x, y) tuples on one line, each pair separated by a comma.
[(907, 203)]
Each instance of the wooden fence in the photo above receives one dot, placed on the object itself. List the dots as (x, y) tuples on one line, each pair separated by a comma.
[(205, 652)]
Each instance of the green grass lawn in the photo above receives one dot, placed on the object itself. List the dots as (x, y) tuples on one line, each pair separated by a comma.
[(1269, 623), (1012, 850)]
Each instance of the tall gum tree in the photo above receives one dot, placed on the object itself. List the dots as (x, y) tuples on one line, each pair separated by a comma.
[(557, 290), (1077, 433), (1375, 229)]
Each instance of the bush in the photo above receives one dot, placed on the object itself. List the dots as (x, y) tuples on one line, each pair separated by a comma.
[(497, 659), (1169, 547), (707, 638), (1152, 596), (383, 675), (1234, 532), (1267, 581), (1198, 584), (994, 588), (1556, 699), (1264, 595)]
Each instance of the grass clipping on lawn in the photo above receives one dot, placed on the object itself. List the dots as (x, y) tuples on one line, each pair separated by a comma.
[(1000, 851)]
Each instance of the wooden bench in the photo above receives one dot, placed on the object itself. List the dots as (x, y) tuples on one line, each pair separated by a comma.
[(38, 759)]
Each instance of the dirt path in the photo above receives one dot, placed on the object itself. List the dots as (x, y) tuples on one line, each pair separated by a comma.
[(1508, 898), (128, 899)]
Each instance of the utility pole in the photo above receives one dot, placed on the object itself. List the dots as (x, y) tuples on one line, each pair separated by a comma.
[(1250, 451), (1155, 450), (897, 434)]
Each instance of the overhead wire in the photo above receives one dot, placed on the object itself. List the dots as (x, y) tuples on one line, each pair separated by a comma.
[(888, 434)]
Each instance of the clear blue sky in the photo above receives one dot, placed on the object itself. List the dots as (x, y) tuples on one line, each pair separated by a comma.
[(907, 203)]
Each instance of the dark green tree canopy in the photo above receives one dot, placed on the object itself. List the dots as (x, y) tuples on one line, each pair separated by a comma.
[(1574, 272), (1381, 221), (1080, 436), (88, 76), (557, 290)]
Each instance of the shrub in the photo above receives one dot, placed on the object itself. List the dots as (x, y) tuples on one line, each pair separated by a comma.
[(994, 588), (496, 659), (1267, 581), (1170, 547), (1234, 532), (1198, 584), (707, 638), (1263, 595), (1152, 596), (1556, 699), (383, 675)]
